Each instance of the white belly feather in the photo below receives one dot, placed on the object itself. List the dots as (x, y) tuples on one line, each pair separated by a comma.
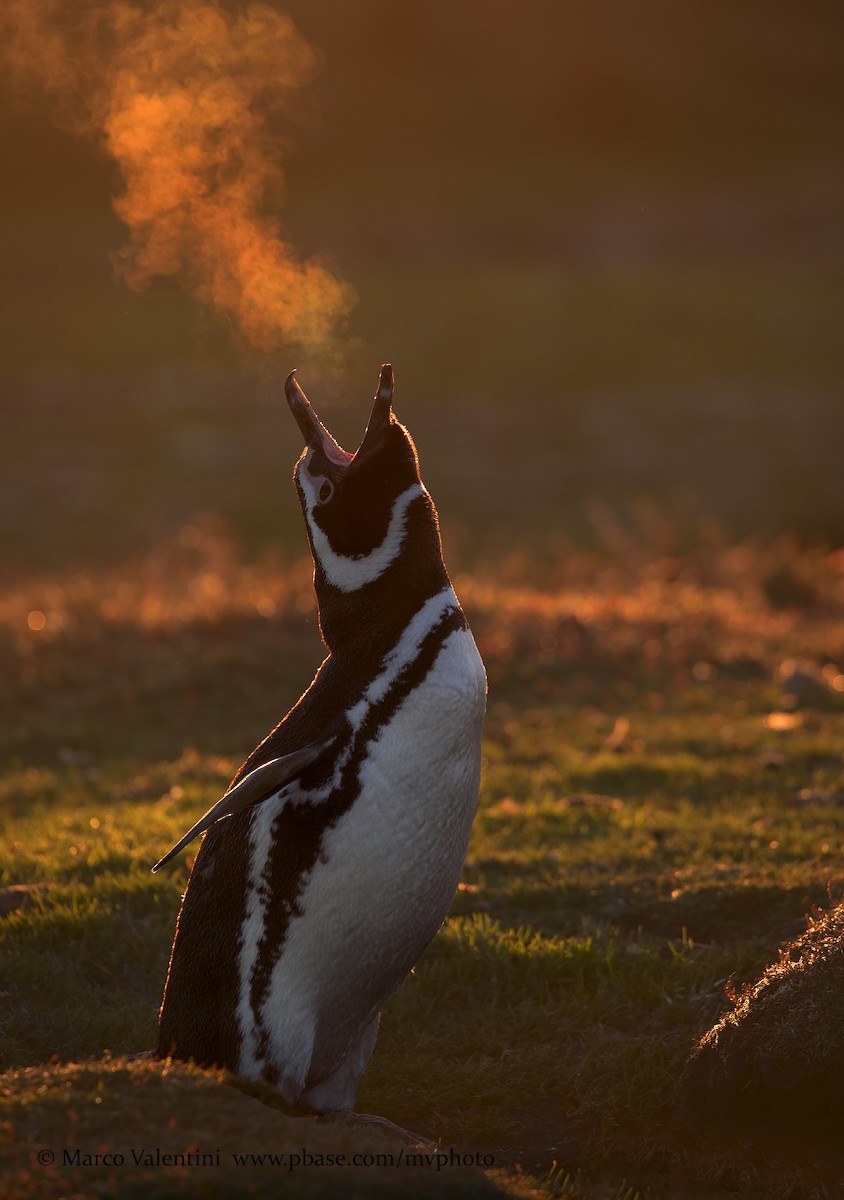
[(391, 864)]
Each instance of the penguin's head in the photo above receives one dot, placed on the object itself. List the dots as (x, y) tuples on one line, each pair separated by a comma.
[(369, 518)]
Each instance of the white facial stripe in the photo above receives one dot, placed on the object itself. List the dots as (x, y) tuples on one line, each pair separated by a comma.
[(403, 653), (351, 573)]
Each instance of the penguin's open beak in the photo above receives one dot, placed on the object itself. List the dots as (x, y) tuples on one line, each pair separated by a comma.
[(382, 410), (313, 430)]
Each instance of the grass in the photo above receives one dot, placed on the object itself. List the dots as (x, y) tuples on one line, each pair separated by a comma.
[(656, 817)]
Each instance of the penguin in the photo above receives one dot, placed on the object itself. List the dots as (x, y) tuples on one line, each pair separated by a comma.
[(331, 861)]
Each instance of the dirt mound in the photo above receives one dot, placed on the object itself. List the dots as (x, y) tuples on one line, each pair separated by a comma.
[(773, 1065)]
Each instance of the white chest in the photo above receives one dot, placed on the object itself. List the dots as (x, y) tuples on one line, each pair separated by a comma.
[(390, 866), (405, 837)]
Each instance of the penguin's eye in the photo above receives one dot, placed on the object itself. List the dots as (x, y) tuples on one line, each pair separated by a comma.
[(326, 492)]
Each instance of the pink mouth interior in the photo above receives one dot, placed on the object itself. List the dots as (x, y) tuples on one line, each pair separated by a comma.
[(336, 453)]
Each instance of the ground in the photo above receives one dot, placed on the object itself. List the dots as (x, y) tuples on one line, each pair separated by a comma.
[(661, 806)]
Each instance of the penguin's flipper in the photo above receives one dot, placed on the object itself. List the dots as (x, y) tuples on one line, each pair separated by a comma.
[(265, 781)]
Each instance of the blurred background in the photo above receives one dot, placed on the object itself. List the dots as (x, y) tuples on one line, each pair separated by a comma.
[(601, 244)]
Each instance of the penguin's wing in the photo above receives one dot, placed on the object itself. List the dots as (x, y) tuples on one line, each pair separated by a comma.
[(265, 781)]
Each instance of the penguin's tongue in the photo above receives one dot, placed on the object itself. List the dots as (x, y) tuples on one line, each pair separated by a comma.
[(313, 431)]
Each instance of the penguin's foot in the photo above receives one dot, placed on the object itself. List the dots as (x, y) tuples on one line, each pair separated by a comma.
[(346, 1116)]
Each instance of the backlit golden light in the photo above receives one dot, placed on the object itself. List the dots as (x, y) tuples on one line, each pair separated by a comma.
[(36, 621), (179, 96)]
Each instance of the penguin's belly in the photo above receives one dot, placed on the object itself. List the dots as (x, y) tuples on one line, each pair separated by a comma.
[(388, 868)]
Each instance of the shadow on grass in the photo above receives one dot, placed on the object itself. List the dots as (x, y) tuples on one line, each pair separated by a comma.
[(115, 691), (724, 912)]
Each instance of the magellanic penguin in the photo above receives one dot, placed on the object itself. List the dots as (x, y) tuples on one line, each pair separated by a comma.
[(330, 863)]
